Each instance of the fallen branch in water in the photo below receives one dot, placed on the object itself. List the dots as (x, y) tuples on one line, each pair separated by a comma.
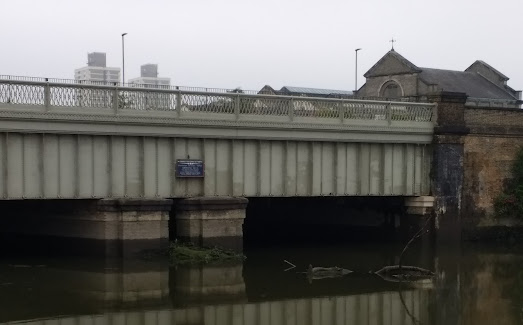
[(417, 235), (290, 268), (412, 317), (318, 273), (405, 273)]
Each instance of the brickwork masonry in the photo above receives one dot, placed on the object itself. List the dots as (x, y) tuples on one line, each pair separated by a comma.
[(489, 152)]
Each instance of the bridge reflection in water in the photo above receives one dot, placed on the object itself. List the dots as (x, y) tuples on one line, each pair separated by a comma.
[(378, 308), (210, 295)]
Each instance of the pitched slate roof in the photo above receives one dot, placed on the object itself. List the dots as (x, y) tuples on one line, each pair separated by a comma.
[(392, 53), (315, 91), (490, 67), (471, 83)]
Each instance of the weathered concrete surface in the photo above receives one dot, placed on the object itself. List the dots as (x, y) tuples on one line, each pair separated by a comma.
[(447, 166), (211, 221)]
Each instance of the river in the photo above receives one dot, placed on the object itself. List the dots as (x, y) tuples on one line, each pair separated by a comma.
[(472, 285)]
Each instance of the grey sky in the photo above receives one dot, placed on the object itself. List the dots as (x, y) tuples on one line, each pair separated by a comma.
[(230, 43)]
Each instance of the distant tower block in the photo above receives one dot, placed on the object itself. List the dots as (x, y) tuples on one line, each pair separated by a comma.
[(149, 70), (97, 71), (149, 79), (96, 59)]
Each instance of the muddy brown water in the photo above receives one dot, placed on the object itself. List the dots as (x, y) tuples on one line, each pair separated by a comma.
[(472, 285)]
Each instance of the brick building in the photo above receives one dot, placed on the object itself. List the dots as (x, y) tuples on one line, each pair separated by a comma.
[(396, 78)]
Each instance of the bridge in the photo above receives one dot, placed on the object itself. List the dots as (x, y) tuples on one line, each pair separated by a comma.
[(71, 140)]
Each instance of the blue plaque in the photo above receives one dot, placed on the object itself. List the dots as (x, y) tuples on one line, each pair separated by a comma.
[(189, 168)]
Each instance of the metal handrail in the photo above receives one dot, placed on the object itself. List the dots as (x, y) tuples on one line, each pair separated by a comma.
[(30, 92), (205, 93), (120, 84)]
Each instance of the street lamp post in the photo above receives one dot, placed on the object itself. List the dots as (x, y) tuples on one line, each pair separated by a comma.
[(356, 72), (123, 59)]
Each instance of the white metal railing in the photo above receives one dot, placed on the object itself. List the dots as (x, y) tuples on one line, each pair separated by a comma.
[(183, 102)]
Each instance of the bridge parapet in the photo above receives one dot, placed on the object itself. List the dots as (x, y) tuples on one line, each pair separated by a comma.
[(95, 99)]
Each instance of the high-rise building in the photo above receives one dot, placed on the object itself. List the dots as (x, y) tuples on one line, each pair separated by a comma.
[(97, 71), (96, 59), (149, 79), (149, 70)]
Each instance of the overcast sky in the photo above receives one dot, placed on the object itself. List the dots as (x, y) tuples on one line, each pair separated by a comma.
[(231, 43)]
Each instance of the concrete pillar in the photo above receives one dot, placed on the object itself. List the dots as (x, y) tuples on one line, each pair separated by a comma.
[(108, 227), (211, 221), (419, 205), (418, 211), (133, 225), (447, 168)]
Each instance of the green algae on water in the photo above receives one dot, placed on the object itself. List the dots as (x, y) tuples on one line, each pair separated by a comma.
[(187, 253)]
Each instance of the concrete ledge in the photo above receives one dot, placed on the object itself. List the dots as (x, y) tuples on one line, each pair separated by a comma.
[(419, 205), (420, 201), (113, 205), (212, 203)]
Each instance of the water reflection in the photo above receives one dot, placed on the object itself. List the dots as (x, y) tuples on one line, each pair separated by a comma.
[(208, 284), (472, 286)]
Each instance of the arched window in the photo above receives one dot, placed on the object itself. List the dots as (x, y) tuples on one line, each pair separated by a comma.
[(390, 89)]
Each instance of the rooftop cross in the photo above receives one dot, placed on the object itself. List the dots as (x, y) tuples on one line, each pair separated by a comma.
[(392, 41)]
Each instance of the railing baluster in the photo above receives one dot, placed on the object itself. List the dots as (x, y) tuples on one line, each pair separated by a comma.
[(47, 95), (388, 112), (115, 100), (178, 107), (341, 111), (291, 109), (237, 107)]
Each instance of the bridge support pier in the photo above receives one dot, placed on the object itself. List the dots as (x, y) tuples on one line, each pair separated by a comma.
[(107, 227), (419, 210), (211, 221), (133, 225), (419, 205)]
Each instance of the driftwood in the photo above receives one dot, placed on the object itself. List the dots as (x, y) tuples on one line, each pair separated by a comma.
[(404, 273), (317, 273)]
